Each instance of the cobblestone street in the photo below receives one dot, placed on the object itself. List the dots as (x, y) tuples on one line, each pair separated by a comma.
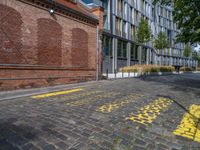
[(156, 113)]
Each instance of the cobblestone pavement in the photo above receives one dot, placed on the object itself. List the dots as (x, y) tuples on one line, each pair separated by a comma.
[(157, 113)]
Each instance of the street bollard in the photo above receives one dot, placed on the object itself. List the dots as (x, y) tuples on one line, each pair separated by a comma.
[(129, 74), (122, 74)]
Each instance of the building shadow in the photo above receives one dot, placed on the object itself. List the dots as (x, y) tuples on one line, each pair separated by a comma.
[(12, 136), (183, 83)]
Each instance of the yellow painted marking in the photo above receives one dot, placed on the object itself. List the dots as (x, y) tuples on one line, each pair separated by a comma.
[(91, 99), (56, 93), (77, 96), (109, 107), (148, 113), (190, 125)]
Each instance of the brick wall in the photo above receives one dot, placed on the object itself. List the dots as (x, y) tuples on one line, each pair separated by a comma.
[(38, 49)]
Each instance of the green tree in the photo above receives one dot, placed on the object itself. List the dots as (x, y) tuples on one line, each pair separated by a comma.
[(196, 56), (143, 35), (144, 32), (187, 50), (161, 41), (186, 14)]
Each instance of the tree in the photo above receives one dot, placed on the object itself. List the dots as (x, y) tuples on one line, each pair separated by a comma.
[(186, 14), (144, 32), (196, 56), (161, 41), (187, 50), (143, 35)]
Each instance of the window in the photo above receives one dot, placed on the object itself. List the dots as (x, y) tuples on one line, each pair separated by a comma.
[(125, 10), (118, 26), (107, 46), (120, 7), (124, 29), (121, 49), (144, 55), (134, 52), (132, 33), (124, 49)]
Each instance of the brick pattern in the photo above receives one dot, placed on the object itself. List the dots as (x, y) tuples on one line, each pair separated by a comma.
[(49, 42), (28, 77), (31, 36), (79, 47), (10, 35)]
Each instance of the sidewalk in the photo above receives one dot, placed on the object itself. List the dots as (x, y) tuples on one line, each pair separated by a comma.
[(120, 75), (8, 95)]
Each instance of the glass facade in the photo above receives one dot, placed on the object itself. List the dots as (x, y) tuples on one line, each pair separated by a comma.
[(121, 21)]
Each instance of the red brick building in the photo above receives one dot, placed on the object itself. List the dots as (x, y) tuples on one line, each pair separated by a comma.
[(44, 42)]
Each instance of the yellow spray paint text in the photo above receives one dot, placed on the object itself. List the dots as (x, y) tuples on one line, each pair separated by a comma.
[(147, 114), (85, 101), (109, 107), (190, 124)]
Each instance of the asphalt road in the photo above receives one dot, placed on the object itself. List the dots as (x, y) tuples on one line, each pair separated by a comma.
[(155, 113)]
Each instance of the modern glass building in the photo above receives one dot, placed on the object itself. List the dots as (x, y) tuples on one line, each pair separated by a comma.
[(120, 46)]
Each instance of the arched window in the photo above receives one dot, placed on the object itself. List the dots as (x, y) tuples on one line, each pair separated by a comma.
[(79, 48), (49, 42), (10, 36)]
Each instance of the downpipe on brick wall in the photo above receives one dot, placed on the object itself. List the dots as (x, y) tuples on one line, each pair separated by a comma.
[(97, 55)]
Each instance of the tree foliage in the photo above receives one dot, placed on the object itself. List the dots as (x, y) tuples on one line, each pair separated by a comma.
[(144, 32), (186, 14), (187, 50), (196, 56), (161, 41)]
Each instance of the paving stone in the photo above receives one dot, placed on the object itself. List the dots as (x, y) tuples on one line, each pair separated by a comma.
[(140, 142), (151, 147), (51, 124), (17, 140), (29, 146), (48, 147), (135, 147), (71, 134), (107, 144), (161, 146), (61, 136), (4, 145)]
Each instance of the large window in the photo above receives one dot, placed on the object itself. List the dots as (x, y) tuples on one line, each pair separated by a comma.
[(118, 26), (107, 46), (124, 29), (121, 49), (144, 55), (132, 32), (134, 52), (120, 7)]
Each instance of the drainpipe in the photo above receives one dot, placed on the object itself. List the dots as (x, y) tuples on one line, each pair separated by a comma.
[(97, 55)]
